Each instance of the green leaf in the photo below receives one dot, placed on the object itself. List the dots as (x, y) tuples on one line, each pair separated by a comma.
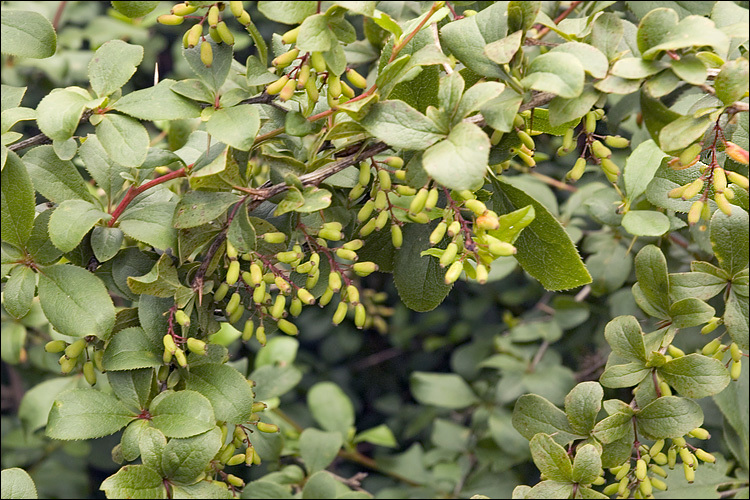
[(691, 69), (199, 207), (500, 112), (550, 458), (419, 281), (37, 401), (510, 225), (476, 97), (227, 389), (503, 50), (467, 38), (27, 34), (241, 233), (533, 414), (736, 319), (731, 82), (60, 111), (624, 375), (149, 218), (561, 74), (729, 239), (635, 68), (586, 464), (692, 31), (669, 417), (39, 245), (287, 12), (76, 302), (563, 111), (544, 248), (699, 285), (315, 34), (100, 166), (593, 61), (151, 444), (682, 132), (331, 407), (134, 481), (582, 405), (71, 221), (645, 223), (379, 436), (653, 280), (401, 126), (606, 33), (460, 161), (551, 489), (17, 202), (159, 102), (133, 387), (184, 460), (134, 9), (655, 114), (106, 242), (86, 414), (444, 390), (124, 139), (161, 281), (318, 448), (236, 126), (273, 381), (640, 168), (16, 483), (130, 441), (690, 312), (320, 485), (203, 489), (215, 76), (198, 91), (695, 376), (613, 427), (53, 178), (182, 414), (112, 66), (19, 291), (132, 348)]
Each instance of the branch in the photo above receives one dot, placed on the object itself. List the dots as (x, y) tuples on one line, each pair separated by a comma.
[(43, 139)]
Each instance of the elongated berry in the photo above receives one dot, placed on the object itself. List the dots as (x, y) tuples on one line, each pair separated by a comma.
[(347, 254), (700, 433), (170, 19), (264, 427), (738, 179), (384, 178), (334, 85), (364, 268), (352, 294), (183, 9), (590, 122), (224, 33), (260, 334), (690, 154), (695, 212), (640, 469), (360, 316), (207, 54), (197, 346), (55, 346), (67, 364), (656, 447), (454, 272), (287, 327), (356, 79), (736, 369), (290, 36), (526, 139), (645, 487), (276, 87), (88, 372), (305, 296), (181, 318), (397, 236), (449, 254), (75, 349), (318, 62), (259, 294), (194, 35), (340, 313), (248, 330), (233, 272), (179, 355), (234, 302), (437, 234), (610, 167), (600, 150), (287, 92)]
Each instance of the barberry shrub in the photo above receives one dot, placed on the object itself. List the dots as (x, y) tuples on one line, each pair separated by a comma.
[(185, 181)]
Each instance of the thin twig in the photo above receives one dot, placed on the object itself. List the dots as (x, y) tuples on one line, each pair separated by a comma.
[(436, 39)]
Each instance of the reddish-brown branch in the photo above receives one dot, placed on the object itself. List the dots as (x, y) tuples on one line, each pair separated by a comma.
[(135, 191), (58, 15)]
